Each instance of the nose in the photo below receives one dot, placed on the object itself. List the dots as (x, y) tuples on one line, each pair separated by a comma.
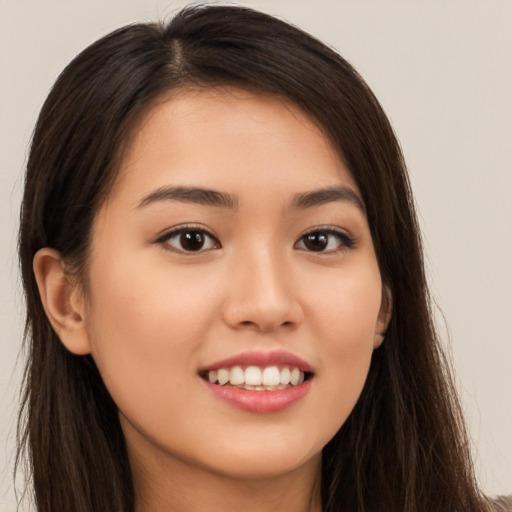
[(262, 295)]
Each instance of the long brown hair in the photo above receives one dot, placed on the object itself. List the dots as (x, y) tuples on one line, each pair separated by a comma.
[(404, 446)]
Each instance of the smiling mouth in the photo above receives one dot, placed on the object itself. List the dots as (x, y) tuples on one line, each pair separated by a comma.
[(255, 378)]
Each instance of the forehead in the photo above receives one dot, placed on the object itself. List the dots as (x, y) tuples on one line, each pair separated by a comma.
[(230, 139)]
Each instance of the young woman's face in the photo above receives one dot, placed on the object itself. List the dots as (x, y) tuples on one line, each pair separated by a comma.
[(234, 245)]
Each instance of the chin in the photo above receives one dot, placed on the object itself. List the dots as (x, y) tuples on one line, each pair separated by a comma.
[(258, 468), (264, 458)]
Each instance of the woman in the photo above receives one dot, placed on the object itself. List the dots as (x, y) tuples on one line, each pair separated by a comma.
[(226, 298)]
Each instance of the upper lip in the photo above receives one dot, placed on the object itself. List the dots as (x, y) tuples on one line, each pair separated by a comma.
[(261, 359)]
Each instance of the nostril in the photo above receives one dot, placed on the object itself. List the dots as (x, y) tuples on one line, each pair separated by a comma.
[(261, 314), (264, 325)]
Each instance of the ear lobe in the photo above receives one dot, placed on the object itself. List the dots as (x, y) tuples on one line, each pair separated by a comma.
[(386, 309), (60, 301)]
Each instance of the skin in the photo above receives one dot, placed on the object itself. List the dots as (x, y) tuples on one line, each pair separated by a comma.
[(154, 314)]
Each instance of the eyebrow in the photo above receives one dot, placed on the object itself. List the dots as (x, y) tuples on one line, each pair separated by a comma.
[(192, 195), (214, 198), (327, 195)]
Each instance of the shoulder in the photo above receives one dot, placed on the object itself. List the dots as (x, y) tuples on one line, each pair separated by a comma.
[(502, 504)]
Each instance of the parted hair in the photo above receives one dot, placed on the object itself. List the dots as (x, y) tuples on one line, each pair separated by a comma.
[(404, 446)]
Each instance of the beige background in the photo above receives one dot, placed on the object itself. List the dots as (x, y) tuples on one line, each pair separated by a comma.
[(443, 72)]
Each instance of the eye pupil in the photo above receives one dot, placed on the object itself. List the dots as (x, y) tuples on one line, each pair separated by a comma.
[(316, 241), (192, 240)]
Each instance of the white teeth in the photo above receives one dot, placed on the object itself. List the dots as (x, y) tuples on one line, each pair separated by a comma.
[(284, 377), (236, 376), (253, 376), (222, 376), (271, 376), (294, 377)]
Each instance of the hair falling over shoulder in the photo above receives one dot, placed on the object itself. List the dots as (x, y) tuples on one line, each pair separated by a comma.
[(404, 446)]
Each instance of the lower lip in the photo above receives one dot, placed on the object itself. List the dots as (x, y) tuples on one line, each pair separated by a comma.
[(260, 401)]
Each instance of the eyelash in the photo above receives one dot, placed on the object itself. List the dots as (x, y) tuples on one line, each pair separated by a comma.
[(345, 241), (165, 239)]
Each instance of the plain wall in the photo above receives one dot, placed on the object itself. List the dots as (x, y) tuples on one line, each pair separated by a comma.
[(442, 71)]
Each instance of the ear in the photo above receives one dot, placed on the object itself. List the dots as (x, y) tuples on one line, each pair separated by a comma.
[(61, 301), (386, 309)]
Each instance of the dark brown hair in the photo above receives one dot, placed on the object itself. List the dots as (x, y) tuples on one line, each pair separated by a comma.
[(404, 446)]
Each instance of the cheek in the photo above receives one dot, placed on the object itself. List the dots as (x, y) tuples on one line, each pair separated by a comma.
[(146, 324), (347, 319), (347, 306)]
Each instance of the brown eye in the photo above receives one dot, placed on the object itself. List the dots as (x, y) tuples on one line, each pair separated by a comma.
[(189, 240), (325, 240), (316, 241), (192, 240)]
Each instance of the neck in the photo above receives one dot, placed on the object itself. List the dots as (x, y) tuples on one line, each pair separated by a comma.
[(169, 485)]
